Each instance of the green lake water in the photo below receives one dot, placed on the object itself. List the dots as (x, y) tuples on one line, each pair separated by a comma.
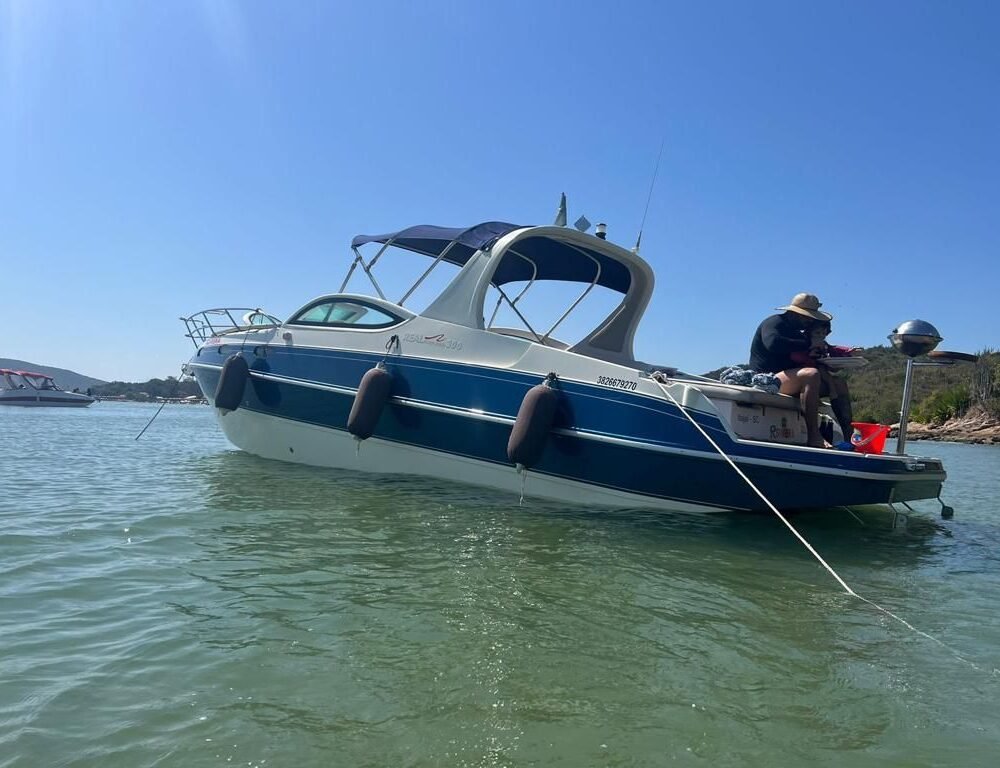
[(174, 602)]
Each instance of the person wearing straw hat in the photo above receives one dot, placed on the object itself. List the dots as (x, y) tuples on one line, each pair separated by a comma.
[(832, 386), (781, 338)]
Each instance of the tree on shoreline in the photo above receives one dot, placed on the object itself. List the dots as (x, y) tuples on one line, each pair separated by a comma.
[(170, 387)]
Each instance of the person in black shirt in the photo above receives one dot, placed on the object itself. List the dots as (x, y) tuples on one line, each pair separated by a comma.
[(775, 342)]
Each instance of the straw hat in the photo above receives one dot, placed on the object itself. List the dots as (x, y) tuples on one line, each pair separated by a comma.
[(807, 304)]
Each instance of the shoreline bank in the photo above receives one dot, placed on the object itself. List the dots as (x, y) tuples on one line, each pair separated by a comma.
[(979, 430)]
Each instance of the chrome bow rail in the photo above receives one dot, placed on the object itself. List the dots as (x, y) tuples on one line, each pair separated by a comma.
[(203, 325)]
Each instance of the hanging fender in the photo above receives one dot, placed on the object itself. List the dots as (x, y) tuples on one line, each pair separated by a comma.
[(369, 402), (534, 421), (232, 383)]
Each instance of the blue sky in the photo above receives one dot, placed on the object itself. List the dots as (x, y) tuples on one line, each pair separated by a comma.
[(158, 158)]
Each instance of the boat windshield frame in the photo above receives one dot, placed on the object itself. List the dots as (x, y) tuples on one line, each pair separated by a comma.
[(39, 380), (484, 259), (32, 379), (512, 303), (7, 373), (368, 269)]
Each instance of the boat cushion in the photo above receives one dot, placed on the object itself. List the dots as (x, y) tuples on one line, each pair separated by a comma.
[(747, 395)]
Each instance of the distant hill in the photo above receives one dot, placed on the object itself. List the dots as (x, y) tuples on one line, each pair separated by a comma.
[(65, 379), (939, 393)]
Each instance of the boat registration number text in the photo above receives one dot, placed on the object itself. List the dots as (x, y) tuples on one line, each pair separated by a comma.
[(608, 381)]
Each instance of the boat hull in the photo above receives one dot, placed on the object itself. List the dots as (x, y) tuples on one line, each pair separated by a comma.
[(584, 462), (271, 437), (64, 400)]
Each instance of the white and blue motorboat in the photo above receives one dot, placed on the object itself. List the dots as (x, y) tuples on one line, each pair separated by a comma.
[(361, 382)]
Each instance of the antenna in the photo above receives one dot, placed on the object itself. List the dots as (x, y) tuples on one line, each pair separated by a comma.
[(652, 183), (561, 213)]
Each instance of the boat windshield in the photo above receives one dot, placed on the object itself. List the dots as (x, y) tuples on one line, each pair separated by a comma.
[(10, 379), (37, 380)]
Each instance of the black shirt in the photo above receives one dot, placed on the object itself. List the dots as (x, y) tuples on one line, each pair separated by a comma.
[(773, 343)]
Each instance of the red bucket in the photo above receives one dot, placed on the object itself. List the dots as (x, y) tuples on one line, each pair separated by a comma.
[(869, 438)]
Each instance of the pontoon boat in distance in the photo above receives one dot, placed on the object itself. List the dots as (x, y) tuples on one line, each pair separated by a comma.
[(450, 386), (34, 389)]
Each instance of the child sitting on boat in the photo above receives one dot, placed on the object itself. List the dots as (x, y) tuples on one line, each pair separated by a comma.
[(818, 346), (833, 387)]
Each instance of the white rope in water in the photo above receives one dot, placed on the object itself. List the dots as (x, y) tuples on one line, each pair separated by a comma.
[(659, 380)]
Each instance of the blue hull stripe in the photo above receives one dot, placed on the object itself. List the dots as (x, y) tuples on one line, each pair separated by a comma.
[(456, 393)]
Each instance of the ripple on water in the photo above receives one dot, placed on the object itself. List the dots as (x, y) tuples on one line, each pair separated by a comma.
[(174, 602)]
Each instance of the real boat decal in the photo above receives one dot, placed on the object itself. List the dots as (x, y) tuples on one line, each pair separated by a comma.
[(437, 340)]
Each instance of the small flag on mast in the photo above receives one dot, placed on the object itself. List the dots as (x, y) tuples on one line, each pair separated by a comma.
[(561, 213)]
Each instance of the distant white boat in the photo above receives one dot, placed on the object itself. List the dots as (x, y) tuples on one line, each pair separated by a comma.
[(26, 388)]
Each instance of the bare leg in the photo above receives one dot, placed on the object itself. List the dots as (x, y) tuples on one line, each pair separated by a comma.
[(806, 383), (810, 404), (841, 404), (829, 388)]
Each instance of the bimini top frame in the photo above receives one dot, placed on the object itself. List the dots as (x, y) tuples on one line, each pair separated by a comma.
[(32, 379), (537, 254)]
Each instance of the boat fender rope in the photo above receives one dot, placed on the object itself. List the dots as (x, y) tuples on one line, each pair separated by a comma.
[(232, 383), (369, 402), (661, 381), (535, 418)]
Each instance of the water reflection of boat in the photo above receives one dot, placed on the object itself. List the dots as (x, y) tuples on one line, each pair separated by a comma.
[(440, 392), (26, 388), (270, 507)]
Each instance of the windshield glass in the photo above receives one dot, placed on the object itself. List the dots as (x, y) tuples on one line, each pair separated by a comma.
[(337, 313)]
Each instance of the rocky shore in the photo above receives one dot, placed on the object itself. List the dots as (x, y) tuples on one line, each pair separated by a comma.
[(967, 429)]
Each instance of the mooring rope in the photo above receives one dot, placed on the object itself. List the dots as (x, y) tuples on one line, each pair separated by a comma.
[(659, 379), (151, 420)]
